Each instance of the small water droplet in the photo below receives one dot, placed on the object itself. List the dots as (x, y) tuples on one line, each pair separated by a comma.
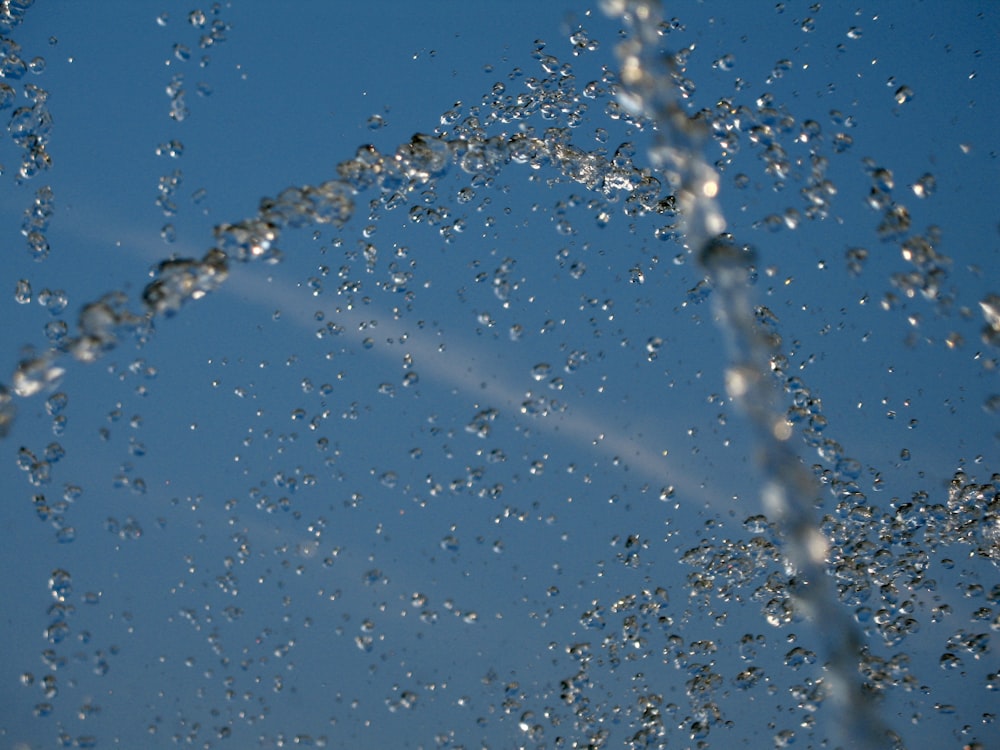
[(541, 371), (925, 186)]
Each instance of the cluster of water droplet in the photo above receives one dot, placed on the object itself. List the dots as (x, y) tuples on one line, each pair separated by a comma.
[(879, 556)]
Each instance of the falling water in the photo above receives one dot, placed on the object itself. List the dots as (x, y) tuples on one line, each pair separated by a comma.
[(649, 89), (504, 569)]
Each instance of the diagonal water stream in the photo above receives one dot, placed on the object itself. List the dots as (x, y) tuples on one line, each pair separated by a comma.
[(651, 87)]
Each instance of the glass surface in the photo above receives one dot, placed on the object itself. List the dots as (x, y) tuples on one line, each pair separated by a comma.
[(447, 445)]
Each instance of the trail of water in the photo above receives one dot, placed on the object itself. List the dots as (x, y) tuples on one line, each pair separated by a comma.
[(650, 89), (103, 323)]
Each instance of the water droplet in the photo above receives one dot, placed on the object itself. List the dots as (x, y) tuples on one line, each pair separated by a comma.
[(541, 371), (22, 293), (925, 186), (992, 404)]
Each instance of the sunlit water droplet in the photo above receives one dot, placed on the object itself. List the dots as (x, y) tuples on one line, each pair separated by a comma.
[(903, 95)]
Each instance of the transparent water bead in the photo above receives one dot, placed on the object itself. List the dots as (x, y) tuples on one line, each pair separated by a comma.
[(903, 95), (180, 280)]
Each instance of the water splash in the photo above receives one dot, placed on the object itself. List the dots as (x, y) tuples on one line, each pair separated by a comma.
[(625, 620), (652, 85)]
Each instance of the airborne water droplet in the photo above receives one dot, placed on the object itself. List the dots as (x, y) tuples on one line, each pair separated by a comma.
[(925, 186)]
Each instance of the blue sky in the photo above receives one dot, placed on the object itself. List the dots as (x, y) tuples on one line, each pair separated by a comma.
[(311, 506)]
